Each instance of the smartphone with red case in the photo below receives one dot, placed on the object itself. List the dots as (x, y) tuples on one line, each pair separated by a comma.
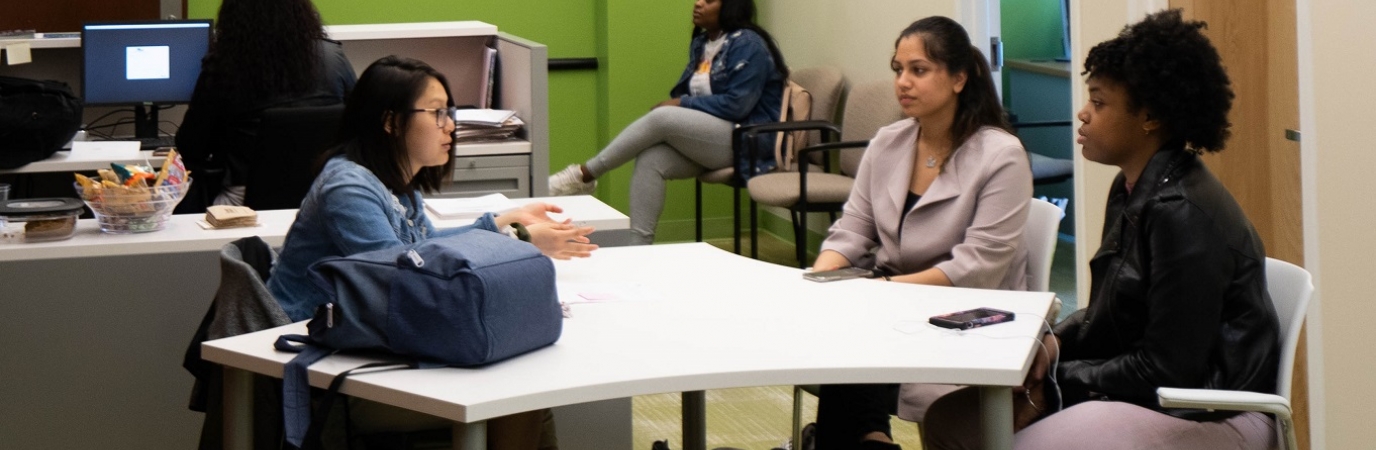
[(974, 318)]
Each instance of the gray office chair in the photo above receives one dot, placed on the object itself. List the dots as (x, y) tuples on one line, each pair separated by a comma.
[(869, 107), (825, 85)]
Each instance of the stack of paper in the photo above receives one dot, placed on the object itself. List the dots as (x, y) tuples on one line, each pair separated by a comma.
[(478, 125), (468, 208), (225, 216)]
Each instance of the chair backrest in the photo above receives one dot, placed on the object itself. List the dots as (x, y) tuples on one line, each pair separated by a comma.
[(1290, 287), (825, 84), (1043, 219), (869, 107), (290, 143)]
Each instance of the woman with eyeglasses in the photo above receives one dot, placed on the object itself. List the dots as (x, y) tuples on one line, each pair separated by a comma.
[(395, 142)]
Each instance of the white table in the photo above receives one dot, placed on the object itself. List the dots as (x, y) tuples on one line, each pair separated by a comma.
[(94, 327), (693, 318)]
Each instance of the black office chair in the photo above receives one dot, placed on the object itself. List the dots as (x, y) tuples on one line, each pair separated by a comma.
[(290, 142)]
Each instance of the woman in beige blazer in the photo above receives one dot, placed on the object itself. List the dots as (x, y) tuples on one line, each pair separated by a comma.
[(939, 199)]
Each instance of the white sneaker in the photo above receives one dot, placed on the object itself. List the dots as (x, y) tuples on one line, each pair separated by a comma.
[(570, 182)]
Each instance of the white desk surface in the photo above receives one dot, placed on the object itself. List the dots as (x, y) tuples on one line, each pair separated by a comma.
[(182, 234), (710, 319)]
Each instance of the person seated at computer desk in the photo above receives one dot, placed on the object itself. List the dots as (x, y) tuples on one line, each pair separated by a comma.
[(265, 53)]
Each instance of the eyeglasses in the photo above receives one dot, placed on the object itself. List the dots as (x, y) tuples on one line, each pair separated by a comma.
[(440, 114)]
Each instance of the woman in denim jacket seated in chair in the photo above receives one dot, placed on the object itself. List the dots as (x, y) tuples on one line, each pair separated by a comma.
[(1178, 287), (940, 198), (396, 140), (735, 75)]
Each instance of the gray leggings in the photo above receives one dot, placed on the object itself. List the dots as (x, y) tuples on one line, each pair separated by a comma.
[(668, 143)]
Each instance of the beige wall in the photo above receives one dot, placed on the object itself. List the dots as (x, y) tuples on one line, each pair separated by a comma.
[(1339, 210), (855, 36)]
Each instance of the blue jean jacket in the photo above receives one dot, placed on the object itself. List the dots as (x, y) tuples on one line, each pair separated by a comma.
[(347, 211), (746, 89)]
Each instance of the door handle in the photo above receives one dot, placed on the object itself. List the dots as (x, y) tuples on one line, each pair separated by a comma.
[(1293, 135), (995, 54)]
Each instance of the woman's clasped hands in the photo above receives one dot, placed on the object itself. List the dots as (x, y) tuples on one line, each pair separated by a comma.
[(558, 240)]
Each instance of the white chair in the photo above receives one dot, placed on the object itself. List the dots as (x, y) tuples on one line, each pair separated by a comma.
[(1039, 235), (1290, 287)]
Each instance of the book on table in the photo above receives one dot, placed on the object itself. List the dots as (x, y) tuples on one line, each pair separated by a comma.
[(469, 207)]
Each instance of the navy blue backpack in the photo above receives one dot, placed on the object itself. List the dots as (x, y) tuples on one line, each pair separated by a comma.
[(466, 300)]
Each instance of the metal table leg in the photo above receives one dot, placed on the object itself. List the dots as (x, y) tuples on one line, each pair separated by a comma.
[(238, 409), (695, 420), (470, 436), (996, 416)]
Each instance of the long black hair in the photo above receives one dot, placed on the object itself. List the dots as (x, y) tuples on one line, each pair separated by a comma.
[(978, 103), (740, 14), (384, 97), (264, 49)]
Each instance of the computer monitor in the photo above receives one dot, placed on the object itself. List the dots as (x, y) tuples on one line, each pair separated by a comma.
[(144, 64)]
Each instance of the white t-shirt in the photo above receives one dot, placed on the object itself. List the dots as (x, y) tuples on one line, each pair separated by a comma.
[(701, 82)]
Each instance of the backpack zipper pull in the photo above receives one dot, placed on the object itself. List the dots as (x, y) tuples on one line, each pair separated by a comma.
[(415, 258), (329, 315)]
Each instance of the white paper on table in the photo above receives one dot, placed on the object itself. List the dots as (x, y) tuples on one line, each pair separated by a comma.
[(577, 292), (469, 208), (105, 150)]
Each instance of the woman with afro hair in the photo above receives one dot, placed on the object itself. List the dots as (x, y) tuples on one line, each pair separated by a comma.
[(1178, 286)]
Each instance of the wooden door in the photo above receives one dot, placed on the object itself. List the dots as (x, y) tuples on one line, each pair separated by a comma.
[(68, 15), (1260, 166)]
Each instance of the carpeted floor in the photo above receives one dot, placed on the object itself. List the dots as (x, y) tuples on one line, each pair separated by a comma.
[(760, 418)]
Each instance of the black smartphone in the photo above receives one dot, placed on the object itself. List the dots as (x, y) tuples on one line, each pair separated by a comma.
[(974, 318), (838, 274)]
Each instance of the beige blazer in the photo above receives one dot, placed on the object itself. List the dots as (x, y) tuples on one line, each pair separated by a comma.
[(969, 223)]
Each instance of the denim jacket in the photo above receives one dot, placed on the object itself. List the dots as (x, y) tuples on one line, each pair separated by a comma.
[(746, 89), (347, 211)]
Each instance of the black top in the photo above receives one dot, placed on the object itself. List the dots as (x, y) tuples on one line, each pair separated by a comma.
[(908, 205)]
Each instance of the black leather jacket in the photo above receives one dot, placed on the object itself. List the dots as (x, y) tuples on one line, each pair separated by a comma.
[(1178, 295)]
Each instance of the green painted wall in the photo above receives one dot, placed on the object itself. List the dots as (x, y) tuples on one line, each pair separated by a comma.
[(1031, 28), (640, 46)]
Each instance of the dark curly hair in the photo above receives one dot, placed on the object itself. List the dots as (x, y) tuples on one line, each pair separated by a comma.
[(978, 104), (1169, 67), (264, 49)]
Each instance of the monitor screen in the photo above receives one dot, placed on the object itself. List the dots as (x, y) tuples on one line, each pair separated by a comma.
[(142, 62)]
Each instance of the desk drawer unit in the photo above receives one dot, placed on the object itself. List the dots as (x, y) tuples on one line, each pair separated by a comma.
[(508, 175)]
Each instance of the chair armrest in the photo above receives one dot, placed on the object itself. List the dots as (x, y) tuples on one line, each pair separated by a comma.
[(831, 146), (1223, 400), (772, 127)]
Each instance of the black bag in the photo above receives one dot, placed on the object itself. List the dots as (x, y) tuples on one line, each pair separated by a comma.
[(36, 119)]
